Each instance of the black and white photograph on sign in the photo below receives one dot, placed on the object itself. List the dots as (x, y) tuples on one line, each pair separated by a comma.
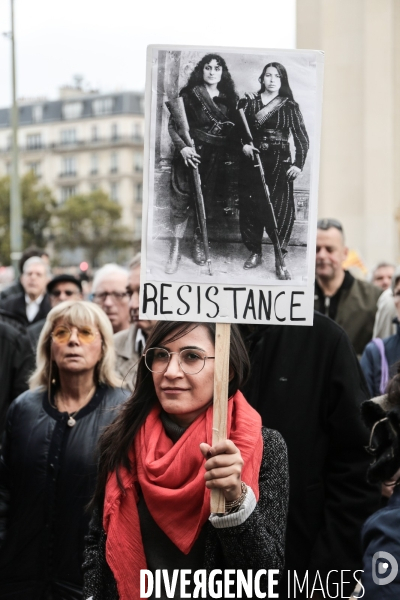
[(232, 154)]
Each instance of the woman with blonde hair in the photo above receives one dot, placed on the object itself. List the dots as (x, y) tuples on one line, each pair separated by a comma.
[(48, 462)]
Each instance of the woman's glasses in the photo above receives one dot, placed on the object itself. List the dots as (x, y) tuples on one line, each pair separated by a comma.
[(191, 360), (62, 334)]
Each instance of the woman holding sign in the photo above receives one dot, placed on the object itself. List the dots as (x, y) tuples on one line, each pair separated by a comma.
[(152, 504), (210, 101), (272, 115)]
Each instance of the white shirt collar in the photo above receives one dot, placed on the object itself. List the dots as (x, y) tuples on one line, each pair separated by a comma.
[(32, 306)]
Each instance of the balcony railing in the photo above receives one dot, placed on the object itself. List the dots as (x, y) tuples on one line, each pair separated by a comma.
[(126, 140), (68, 174)]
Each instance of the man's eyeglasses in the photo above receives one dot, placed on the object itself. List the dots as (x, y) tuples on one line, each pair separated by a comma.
[(116, 296), (57, 293), (328, 223), (62, 334), (191, 360)]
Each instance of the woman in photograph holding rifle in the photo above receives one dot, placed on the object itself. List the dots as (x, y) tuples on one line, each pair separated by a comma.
[(272, 115), (209, 100)]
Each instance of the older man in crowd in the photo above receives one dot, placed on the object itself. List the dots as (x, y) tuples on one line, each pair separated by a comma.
[(130, 343), (386, 313), (109, 292), (382, 275), (350, 302), (33, 303), (16, 286)]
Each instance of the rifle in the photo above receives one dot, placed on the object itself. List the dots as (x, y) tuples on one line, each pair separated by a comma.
[(177, 109), (284, 273)]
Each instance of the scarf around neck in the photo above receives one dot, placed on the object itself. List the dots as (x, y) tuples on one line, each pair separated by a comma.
[(171, 478)]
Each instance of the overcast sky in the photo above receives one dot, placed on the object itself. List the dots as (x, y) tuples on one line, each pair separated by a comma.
[(105, 41)]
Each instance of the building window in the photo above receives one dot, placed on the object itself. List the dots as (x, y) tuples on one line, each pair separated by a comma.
[(8, 168), (67, 191), (139, 193), (114, 132), (102, 106), (138, 228), (114, 162), (34, 141), (68, 166), (37, 113), (94, 164), (72, 110), (137, 134), (34, 167), (68, 136), (114, 191), (94, 187), (138, 162), (95, 133), (9, 142)]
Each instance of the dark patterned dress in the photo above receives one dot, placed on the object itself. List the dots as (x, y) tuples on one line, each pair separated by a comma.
[(270, 129), (209, 127)]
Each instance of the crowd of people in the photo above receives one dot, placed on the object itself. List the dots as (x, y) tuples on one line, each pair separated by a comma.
[(107, 461)]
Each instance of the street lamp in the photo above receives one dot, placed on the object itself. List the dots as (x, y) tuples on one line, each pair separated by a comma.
[(15, 197)]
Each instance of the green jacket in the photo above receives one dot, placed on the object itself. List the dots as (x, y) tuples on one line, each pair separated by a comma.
[(356, 312)]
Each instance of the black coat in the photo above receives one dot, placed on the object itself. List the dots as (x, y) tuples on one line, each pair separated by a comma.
[(47, 477), (16, 364), (307, 384), (16, 305)]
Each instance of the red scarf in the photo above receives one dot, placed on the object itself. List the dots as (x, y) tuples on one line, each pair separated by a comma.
[(171, 478)]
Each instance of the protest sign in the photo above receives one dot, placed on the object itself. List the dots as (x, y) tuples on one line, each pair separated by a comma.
[(233, 239), (230, 193)]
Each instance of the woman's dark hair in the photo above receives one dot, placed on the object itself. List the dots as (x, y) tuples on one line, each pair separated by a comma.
[(285, 90), (384, 443), (225, 86), (382, 417), (117, 439)]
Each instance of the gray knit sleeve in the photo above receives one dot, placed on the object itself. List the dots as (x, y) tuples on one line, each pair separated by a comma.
[(259, 542), (238, 517)]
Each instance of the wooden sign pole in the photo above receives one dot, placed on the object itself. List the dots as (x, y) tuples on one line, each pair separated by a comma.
[(220, 407)]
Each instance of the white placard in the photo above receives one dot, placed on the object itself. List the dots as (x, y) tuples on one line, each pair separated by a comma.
[(286, 130)]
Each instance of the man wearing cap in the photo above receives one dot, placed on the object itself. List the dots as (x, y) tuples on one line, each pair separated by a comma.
[(347, 300), (60, 288)]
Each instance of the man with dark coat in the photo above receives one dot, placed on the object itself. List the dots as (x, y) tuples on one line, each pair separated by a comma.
[(16, 365), (16, 286), (33, 304), (307, 384)]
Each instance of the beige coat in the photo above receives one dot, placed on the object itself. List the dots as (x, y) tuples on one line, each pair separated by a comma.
[(126, 356)]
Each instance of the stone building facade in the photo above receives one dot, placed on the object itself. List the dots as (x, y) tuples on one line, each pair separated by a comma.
[(82, 142), (360, 150)]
